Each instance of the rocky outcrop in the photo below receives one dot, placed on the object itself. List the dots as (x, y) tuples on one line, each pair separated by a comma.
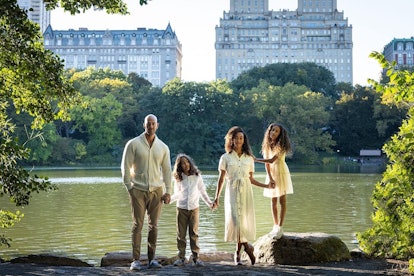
[(124, 258), (45, 259), (290, 249), (300, 248)]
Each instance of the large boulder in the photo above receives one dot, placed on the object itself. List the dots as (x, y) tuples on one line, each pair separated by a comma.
[(299, 249)]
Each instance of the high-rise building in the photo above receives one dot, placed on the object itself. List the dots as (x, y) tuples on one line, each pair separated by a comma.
[(250, 35), (400, 50), (155, 55), (36, 11)]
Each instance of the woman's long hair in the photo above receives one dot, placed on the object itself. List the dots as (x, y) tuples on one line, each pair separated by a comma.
[(231, 134)]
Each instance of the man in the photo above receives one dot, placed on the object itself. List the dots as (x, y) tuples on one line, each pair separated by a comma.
[(146, 170)]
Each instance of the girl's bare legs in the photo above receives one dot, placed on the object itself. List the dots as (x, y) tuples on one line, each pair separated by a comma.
[(274, 211), (282, 201), (277, 225)]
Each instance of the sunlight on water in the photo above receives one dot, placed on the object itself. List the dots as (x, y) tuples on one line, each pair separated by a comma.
[(86, 180), (89, 215)]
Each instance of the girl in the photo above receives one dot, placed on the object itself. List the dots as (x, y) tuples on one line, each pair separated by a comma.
[(237, 166), (188, 188), (275, 146)]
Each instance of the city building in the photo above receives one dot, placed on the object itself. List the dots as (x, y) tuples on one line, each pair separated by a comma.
[(250, 35), (155, 55), (400, 50), (36, 11)]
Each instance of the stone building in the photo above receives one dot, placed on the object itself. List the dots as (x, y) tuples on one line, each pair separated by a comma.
[(36, 11), (250, 35), (155, 55), (400, 50)]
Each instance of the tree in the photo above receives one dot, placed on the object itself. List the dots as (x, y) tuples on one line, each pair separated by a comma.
[(302, 112), (315, 77), (31, 79), (353, 126), (97, 83), (194, 118), (362, 121), (74, 7), (97, 118), (392, 232)]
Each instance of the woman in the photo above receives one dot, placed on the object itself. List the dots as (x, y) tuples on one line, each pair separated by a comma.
[(237, 166)]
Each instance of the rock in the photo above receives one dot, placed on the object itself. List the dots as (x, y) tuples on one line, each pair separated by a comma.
[(125, 258), (299, 248), (359, 254), (116, 259), (45, 259)]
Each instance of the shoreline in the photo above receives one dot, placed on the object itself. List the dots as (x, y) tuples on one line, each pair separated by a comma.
[(357, 266)]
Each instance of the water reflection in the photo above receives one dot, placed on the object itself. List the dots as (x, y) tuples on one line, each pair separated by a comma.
[(89, 214)]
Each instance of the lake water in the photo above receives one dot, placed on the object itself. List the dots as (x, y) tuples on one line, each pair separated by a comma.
[(89, 215)]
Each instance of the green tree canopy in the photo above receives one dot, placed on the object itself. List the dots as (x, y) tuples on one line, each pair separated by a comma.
[(303, 112), (194, 118), (353, 127), (362, 121), (315, 77), (392, 232), (32, 82)]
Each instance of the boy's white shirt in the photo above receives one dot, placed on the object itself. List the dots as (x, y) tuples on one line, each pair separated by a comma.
[(187, 192)]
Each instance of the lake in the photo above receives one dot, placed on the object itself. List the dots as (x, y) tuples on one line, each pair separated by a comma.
[(89, 215)]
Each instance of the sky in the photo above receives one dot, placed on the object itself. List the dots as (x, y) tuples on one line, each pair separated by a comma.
[(375, 23)]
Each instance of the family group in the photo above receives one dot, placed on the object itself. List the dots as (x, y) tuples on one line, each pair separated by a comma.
[(146, 173)]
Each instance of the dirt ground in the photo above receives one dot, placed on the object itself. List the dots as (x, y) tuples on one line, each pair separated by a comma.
[(353, 267)]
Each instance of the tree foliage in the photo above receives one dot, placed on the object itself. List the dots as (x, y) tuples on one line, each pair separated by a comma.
[(311, 75), (392, 232), (193, 117), (303, 112), (74, 7), (31, 82), (353, 126)]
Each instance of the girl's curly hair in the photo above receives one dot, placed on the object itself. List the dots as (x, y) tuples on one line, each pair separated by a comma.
[(282, 142), (178, 170)]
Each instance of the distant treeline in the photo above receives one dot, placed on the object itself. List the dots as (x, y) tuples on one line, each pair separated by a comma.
[(324, 118)]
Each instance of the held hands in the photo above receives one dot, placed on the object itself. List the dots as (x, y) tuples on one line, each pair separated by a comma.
[(166, 198), (215, 204), (272, 184)]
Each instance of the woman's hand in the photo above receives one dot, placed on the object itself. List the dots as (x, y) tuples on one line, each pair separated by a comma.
[(215, 204)]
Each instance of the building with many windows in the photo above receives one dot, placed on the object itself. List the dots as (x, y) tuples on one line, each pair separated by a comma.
[(155, 55), (36, 11), (250, 35), (400, 50)]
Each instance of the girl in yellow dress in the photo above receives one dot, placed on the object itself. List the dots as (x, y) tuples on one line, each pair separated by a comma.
[(275, 146)]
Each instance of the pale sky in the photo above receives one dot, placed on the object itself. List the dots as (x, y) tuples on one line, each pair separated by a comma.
[(375, 23)]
